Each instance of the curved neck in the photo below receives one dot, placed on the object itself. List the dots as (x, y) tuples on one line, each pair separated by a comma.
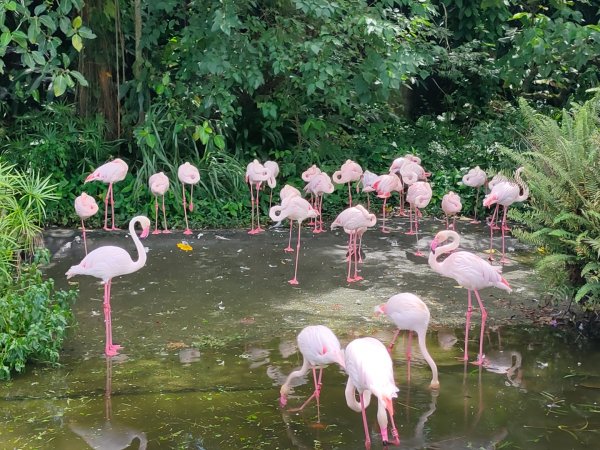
[(434, 371), (141, 261), (523, 188), (441, 250)]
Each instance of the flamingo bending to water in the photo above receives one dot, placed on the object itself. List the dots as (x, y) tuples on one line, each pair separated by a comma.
[(108, 262), (370, 372), (410, 313), (469, 271), (85, 207), (188, 174), (159, 185), (109, 173)]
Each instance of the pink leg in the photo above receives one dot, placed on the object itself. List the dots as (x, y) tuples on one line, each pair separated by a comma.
[(395, 434), (365, 425), (454, 222), (418, 252), (165, 230), (409, 346), (447, 228), (357, 277), (483, 319), (469, 312), (112, 209), (270, 197), (476, 202), (84, 240), (349, 195), (187, 230), (503, 259), (350, 250), (252, 206), (360, 260), (110, 349), (289, 247), (491, 250), (321, 230), (410, 219), (368, 201), (383, 228), (402, 211), (391, 346), (317, 392), (106, 207), (156, 231), (258, 228), (295, 279)]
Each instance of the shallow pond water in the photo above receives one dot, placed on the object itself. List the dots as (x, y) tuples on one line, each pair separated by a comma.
[(209, 337)]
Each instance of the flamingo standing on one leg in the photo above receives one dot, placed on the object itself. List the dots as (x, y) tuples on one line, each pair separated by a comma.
[(319, 185), (287, 192), (410, 313), (505, 193), (368, 179), (294, 208), (319, 347), (418, 196), (188, 174), (256, 173), (396, 167), (273, 169), (85, 207), (370, 372), (108, 262), (348, 173), (385, 185), (355, 221), (111, 172), (451, 206), (469, 271), (476, 177), (307, 175), (159, 184)]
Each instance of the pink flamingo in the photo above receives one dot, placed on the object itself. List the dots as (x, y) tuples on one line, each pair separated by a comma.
[(385, 185), (307, 175), (451, 206), (111, 172), (348, 173), (396, 168), (273, 169), (418, 196), (319, 185), (159, 184), (188, 174), (370, 372), (85, 207), (319, 347), (369, 178), (355, 221), (294, 208), (410, 313), (108, 262), (476, 178), (256, 173), (286, 192), (469, 271), (505, 193)]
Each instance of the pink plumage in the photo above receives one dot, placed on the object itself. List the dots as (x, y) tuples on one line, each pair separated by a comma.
[(188, 174), (256, 174), (451, 206), (85, 207), (159, 185), (476, 178), (348, 173), (109, 173), (319, 185)]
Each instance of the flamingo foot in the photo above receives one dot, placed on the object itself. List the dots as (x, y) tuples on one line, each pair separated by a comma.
[(317, 231), (504, 260), (157, 231), (480, 361), (112, 350), (252, 231), (409, 233), (166, 231), (258, 230), (419, 253), (106, 228), (350, 280), (115, 228), (475, 221), (358, 278), (187, 232), (385, 230), (368, 444), (496, 227), (505, 228), (288, 249), (293, 281)]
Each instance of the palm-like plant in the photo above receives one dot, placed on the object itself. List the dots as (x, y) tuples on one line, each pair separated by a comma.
[(562, 169)]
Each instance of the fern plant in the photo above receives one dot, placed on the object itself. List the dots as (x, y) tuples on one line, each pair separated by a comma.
[(562, 167)]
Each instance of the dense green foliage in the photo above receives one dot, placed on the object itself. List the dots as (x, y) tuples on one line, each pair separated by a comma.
[(563, 217), (33, 321)]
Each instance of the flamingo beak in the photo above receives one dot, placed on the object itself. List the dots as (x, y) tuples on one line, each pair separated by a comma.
[(434, 245), (90, 177), (145, 232)]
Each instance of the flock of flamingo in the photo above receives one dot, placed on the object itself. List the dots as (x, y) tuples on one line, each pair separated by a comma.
[(366, 360)]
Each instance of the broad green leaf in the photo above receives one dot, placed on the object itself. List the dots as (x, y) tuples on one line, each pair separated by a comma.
[(5, 38), (151, 140), (38, 57), (49, 23), (86, 33), (59, 85), (28, 60), (39, 9), (77, 22), (20, 38), (76, 41), (219, 141), (10, 6), (79, 77)]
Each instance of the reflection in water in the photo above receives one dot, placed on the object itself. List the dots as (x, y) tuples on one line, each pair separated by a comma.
[(419, 439), (108, 435), (506, 362), (188, 356), (447, 338)]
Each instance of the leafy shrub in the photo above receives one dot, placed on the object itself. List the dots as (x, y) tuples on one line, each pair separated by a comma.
[(33, 321), (563, 219)]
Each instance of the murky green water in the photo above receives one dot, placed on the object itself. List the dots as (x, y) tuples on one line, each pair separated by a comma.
[(209, 337)]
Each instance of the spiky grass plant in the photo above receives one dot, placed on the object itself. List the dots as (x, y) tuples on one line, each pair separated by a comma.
[(562, 169)]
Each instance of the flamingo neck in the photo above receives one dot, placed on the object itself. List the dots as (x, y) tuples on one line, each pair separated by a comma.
[(141, 261), (442, 250)]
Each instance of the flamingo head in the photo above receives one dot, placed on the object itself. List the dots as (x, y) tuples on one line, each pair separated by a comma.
[(145, 223), (490, 200), (434, 244), (92, 177), (312, 212), (340, 358), (379, 309)]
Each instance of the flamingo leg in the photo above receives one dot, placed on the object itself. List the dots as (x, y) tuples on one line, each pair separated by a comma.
[(503, 259), (349, 195), (110, 349), (258, 228), (383, 228), (165, 230), (479, 361), (295, 279), (391, 346), (156, 231), (357, 277), (187, 227), (112, 208), (106, 207), (418, 252), (84, 240), (410, 219), (321, 230), (491, 250), (409, 346), (289, 247), (476, 202), (252, 206), (317, 392), (360, 260), (365, 425), (447, 228), (402, 212), (468, 315), (350, 250)]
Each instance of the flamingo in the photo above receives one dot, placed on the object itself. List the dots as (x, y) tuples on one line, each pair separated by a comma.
[(319, 347), (410, 313), (286, 192), (273, 169), (348, 173), (369, 178), (294, 208), (412, 172), (418, 196), (159, 184), (505, 193), (188, 174), (469, 271), (85, 207), (111, 172), (108, 262), (319, 185), (355, 221), (370, 372), (476, 177), (307, 175), (385, 185), (396, 168), (451, 206), (256, 173)]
